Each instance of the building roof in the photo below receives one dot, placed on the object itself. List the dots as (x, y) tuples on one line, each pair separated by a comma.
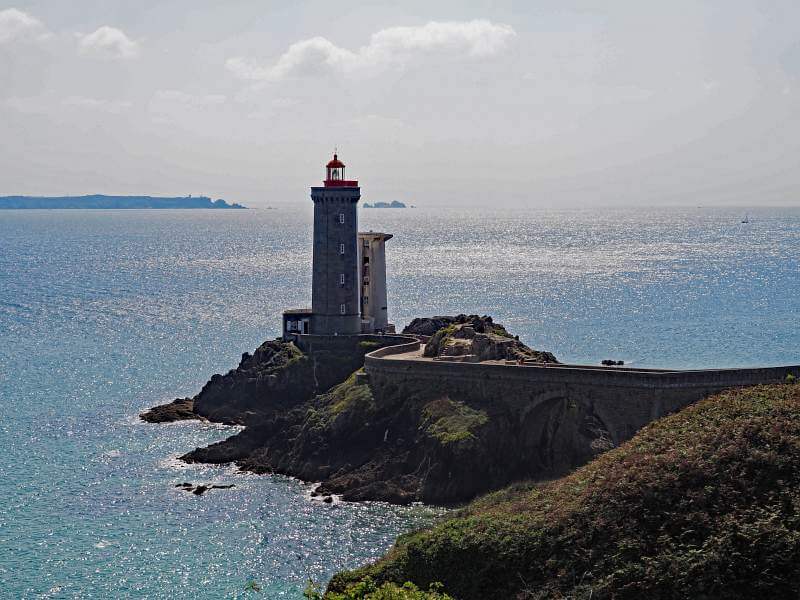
[(335, 163), (375, 234), (297, 311)]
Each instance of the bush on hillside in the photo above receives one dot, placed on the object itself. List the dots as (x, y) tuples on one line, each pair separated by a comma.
[(368, 590), (702, 504)]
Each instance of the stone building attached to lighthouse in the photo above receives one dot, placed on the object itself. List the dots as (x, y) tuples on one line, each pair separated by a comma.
[(348, 288)]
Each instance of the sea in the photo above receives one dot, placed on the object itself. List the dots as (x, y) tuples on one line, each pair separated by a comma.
[(105, 313)]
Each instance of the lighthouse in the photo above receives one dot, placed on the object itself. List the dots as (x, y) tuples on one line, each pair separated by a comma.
[(335, 304), (348, 282)]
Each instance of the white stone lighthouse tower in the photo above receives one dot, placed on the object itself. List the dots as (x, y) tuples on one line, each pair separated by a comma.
[(335, 302)]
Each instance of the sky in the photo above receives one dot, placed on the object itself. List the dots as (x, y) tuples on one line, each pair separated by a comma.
[(507, 103)]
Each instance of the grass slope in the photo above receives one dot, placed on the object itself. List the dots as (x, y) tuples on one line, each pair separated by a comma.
[(700, 504)]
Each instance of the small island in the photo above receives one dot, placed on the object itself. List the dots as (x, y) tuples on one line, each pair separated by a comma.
[(99, 201), (392, 204)]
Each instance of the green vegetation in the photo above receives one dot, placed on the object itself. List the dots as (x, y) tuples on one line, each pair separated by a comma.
[(498, 329), (348, 400), (701, 504), (349, 396), (368, 590), (451, 422), (368, 346), (439, 340), (790, 378)]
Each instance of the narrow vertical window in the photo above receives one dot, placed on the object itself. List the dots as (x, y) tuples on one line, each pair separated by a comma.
[(341, 248), (342, 308), (341, 279), (341, 217)]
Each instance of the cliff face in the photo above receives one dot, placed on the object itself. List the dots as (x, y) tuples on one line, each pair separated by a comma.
[(313, 417), (275, 377), (407, 444), (701, 504)]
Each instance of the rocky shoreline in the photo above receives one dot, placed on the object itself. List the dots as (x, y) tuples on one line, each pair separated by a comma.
[(181, 409), (310, 416)]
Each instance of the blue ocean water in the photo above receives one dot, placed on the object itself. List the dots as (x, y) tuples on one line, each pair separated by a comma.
[(105, 313)]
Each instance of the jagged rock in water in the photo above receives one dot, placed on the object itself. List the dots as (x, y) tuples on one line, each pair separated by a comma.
[(181, 409), (202, 488)]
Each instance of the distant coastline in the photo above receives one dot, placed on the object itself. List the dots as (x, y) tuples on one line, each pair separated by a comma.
[(111, 202), (392, 204)]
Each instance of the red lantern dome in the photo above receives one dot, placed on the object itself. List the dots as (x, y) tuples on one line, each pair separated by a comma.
[(334, 174), (335, 163)]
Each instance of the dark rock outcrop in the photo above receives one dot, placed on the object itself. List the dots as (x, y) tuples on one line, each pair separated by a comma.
[(427, 326), (181, 409), (200, 489), (275, 377), (478, 338)]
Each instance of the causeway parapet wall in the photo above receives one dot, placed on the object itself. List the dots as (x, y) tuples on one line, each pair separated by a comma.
[(625, 399)]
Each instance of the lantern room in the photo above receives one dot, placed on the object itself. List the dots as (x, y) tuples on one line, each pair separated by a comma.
[(334, 174)]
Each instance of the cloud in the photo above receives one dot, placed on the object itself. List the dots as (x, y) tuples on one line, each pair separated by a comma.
[(392, 46), (246, 69), (53, 104), (32, 105), (377, 126), (174, 106), (17, 25), (109, 43), (176, 97), (99, 104)]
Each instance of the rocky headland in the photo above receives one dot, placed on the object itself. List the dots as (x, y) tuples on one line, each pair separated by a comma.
[(701, 504), (313, 417)]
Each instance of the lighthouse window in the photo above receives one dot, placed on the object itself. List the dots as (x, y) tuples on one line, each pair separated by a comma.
[(366, 299), (341, 248), (342, 308), (341, 278), (341, 217), (366, 243)]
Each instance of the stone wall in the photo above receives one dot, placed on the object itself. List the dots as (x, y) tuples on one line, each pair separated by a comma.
[(335, 357), (347, 343), (624, 399)]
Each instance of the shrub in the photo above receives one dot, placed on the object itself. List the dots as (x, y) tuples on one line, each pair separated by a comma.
[(704, 503), (449, 421), (368, 590)]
